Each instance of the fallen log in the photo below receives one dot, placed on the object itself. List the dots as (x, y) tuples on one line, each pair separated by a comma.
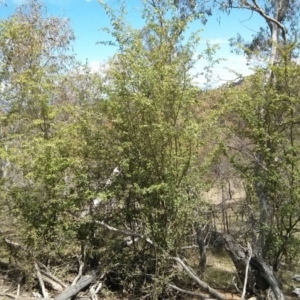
[(73, 290)]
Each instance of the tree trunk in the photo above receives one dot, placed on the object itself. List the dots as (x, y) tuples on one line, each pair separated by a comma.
[(202, 250), (260, 275)]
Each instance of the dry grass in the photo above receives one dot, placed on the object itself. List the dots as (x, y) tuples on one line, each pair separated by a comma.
[(220, 270)]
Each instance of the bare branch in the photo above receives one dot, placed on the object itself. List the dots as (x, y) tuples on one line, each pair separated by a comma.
[(51, 276), (18, 291), (39, 276), (81, 265), (125, 232), (93, 293), (15, 245), (258, 9), (201, 283), (199, 295), (8, 295), (99, 287), (246, 272), (190, 247)]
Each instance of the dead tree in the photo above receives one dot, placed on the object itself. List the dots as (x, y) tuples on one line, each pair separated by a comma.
[(260, 274)]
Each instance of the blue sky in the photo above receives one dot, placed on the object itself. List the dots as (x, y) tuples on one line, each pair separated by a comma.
[(87, 17)]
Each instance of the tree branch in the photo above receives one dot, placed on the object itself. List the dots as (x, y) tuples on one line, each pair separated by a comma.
[(47, 273), (81, 265), (125, 232), (39, 276), (258, 9), (199, 295), (201, 283), (246, 272)]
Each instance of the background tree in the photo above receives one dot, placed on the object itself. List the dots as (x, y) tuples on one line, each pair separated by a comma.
[(263, 148), (34, 138), (276, 46)]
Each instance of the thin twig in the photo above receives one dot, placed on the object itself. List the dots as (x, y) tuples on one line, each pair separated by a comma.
[(125, 232), (234, 284), (7, 295), (99, 287), (93, 293), (54, 278), (174, 287), (18, 291), (247, 268), (15, 245), (189, 247), (81, 265)]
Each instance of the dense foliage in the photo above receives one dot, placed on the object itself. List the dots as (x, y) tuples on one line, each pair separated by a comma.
[(89, 159)]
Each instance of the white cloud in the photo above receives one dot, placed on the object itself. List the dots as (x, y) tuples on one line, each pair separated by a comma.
[(97, 66), (218, 41), (223, 72)]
